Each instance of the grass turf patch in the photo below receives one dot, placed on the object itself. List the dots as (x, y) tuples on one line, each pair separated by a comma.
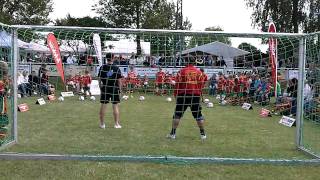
[(71, 127)]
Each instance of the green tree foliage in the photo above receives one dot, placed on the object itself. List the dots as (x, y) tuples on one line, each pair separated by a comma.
[(205, 39), (289, 16), (312, 23), (255, 56), (86, 21), (71, 39), (147, 14), (25, 11)]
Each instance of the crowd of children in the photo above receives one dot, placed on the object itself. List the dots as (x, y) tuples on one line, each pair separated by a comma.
[(80, 83), (239, 88)]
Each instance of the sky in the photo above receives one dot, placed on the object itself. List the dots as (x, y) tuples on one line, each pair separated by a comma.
[(231, 15)]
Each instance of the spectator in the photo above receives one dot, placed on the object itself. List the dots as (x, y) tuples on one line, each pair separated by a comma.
[(26, 83), (132, 60), (70, 59), (33, 80), (213, 85), (292, 92), (45, 87), (40, 71), (21, 85)]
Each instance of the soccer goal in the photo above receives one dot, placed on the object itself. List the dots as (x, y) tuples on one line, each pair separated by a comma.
[(258, 94)]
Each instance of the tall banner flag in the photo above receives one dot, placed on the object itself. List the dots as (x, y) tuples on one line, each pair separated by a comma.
[(54, 48), (273, 55), (97, 48)]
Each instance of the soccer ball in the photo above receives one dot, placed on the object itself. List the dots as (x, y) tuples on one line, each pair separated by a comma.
[(210, 105), (169, 99), (224, 102), (93, 98), (19, 95), (61, 98), (81, 98), (141, 98), (145, 83), (206, 101), (218, 97), (125, 97)]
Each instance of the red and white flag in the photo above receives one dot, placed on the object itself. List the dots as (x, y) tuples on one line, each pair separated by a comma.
[(273, 55), (54, 48)]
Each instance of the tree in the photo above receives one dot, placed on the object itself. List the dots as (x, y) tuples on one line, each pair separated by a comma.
[(72, 39), (312, 23), (205, 39), (148, 14), (86, 21), (25, 11), (255, 56), (289, 16)]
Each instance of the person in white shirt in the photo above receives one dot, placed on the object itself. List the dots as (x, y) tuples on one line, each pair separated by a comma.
[(70, 60), (21, 85)]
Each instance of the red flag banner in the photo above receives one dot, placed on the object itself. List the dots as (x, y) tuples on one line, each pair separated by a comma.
[(273, 56), (54, 48)]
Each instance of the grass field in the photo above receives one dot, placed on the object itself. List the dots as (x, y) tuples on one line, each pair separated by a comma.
[(71, 127)]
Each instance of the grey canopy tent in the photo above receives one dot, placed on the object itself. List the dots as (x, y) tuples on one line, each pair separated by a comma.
[(218, 49), (6, 41)]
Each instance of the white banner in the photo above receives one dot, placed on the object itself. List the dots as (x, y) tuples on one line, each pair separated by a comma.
[(94, 88), (97, 48), (24, 67)]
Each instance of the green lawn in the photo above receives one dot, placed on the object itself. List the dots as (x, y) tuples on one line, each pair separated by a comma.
[(71, 127)]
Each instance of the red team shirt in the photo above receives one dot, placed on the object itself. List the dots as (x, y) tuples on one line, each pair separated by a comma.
[(221, 83), (203, 79), (132, 77), (86, 80), (160, 77), (188, 81), (230, 85)]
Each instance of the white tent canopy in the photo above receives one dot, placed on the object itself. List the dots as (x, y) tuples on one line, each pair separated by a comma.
[(37, 47), (6, 41), (218, 49), (126, 47)]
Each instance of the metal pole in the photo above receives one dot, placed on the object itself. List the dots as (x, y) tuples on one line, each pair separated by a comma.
[(15, 53), (300, 100)]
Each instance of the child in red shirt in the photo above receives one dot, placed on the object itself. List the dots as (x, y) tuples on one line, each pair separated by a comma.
[(160, 78), (131, 80), (85, 83), (221, 85)]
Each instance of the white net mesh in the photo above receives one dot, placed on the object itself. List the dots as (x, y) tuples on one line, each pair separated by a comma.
[(176, 71)]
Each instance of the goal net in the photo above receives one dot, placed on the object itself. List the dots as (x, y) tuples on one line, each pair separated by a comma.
[(7, 128), (236, 94)]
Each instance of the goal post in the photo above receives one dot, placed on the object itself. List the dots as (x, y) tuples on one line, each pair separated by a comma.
[(238, 72), (9, 62)]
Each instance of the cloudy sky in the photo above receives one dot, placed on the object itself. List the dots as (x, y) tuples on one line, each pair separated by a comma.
[(231, 15)]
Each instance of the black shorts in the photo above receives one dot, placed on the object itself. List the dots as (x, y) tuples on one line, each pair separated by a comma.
[(86, 88), (160, 86), (105, 98), (185, 101)]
